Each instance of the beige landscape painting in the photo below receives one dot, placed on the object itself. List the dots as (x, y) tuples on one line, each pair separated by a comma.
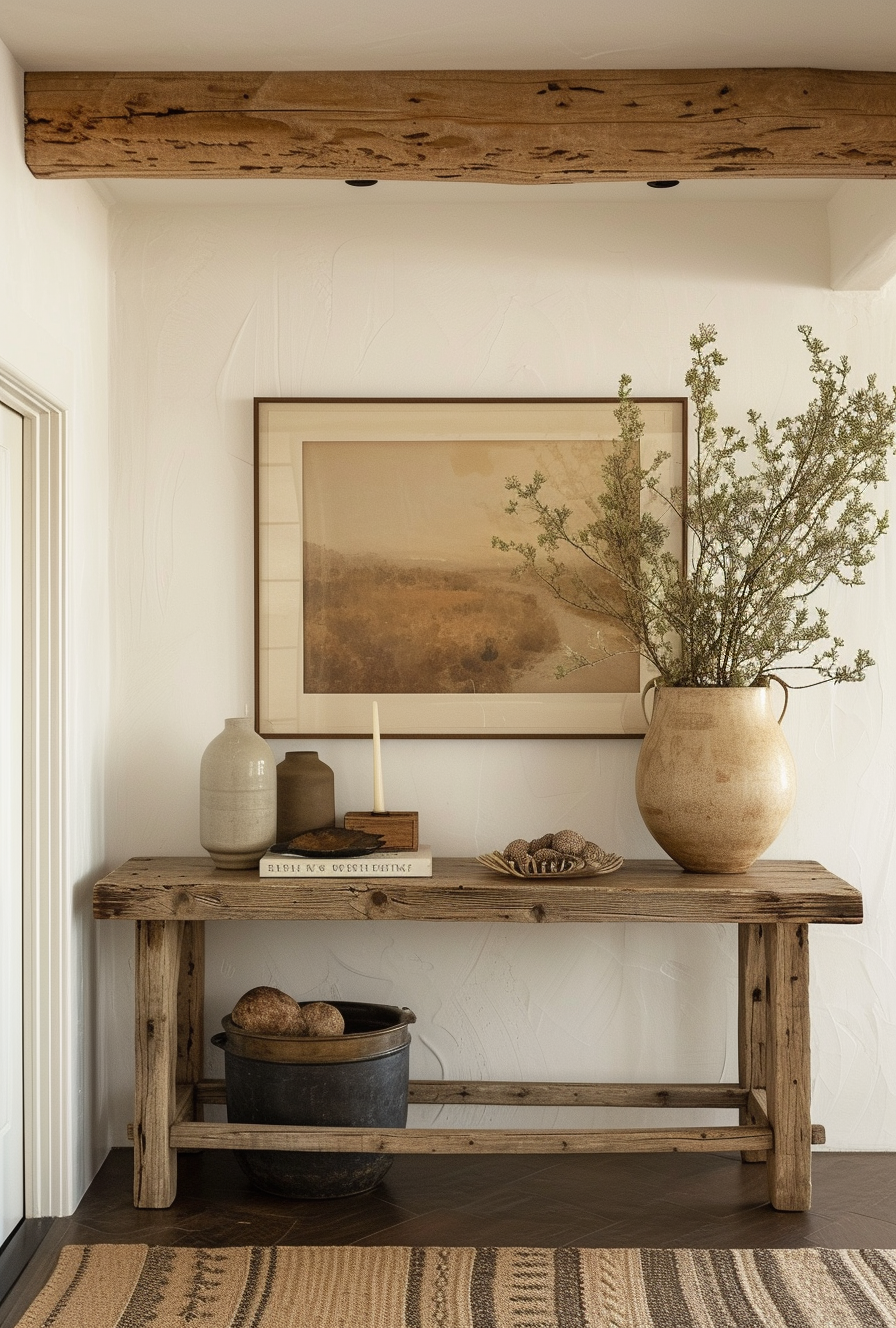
[(403, 592)]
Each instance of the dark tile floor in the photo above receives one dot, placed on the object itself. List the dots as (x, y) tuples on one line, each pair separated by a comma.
[(650, 1199), (708, 1200)]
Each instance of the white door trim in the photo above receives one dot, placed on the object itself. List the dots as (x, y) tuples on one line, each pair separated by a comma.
[(47, 901)]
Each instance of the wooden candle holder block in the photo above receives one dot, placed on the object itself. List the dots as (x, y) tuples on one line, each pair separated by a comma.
[(398, 829)]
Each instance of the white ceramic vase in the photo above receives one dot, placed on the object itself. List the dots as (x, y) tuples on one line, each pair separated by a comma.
[(237, 796)]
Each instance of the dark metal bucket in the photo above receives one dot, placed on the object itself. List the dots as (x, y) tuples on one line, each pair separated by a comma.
[(359, 1078)]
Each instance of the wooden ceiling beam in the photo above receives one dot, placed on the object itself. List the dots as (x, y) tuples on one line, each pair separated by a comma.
[(505, 126)]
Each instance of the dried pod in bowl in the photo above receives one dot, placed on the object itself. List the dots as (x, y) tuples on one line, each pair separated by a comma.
[(546, 841), (568, 842), (517, 851)]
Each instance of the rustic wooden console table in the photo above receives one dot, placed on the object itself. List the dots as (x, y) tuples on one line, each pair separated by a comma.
[(170, 899)]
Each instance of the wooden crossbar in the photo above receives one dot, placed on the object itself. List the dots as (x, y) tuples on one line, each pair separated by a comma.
[(342, 1139), (509, 1094), (485, 1093)]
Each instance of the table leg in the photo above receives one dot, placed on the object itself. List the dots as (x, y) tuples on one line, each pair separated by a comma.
[(155, 989), (752, 1003), (789, 1086), (190, 1004)]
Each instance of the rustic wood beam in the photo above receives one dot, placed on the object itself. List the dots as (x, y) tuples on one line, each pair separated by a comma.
[(214, 1091), (458, 1092), (156, 1103), (486, 1093), (346, 1139), (504, 126)]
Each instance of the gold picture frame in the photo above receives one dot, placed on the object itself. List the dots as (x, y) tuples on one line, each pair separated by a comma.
[(376, 579)]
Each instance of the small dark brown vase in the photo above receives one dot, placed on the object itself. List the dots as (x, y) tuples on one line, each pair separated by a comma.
[(305, 795)]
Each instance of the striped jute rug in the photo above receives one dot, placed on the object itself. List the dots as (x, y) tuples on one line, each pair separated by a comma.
[(140, 1286)]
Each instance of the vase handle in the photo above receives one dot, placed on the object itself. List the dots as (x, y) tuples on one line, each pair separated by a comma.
[(647, 686), (773, 677)]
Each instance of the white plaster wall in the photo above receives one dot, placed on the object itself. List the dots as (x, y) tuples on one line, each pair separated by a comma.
[(215, 305), (54, 335)]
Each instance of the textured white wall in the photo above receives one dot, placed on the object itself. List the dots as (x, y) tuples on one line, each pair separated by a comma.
[(54, 334), (215, 305)]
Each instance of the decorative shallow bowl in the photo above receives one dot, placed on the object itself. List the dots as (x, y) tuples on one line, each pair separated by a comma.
[(578, 867)]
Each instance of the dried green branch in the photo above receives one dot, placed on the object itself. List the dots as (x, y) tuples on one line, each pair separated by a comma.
[(770, 517)]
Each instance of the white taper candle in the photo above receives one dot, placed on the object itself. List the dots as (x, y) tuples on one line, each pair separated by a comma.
[(378, 803)]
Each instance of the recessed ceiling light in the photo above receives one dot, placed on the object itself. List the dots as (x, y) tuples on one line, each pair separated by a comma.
[(361, 184), (661, 184)]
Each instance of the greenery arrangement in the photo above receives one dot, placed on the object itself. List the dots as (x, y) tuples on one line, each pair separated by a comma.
[(768, 523)]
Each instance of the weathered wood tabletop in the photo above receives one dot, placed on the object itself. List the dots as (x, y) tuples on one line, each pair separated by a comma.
[(461, 890)]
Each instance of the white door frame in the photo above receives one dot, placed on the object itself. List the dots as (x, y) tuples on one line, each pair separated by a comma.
[(47, 904)]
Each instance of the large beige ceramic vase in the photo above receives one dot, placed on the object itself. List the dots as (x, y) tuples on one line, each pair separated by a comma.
[(716, 780)]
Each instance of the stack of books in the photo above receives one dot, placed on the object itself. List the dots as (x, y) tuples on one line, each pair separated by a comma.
[(385, 862)]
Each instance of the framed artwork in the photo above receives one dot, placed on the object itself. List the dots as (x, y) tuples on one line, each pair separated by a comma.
[(376, 577)]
